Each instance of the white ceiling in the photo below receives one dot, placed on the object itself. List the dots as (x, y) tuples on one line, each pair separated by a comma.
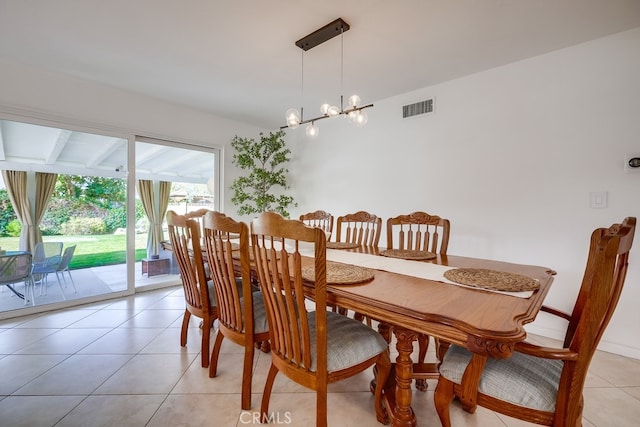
[(237, 59)]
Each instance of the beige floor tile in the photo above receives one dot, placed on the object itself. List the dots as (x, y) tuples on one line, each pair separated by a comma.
[(104, 319), (148, 374), (13, 340), (64, 341), (31, 411), (153, 319), (168, 341), (616, 370), (108, 411), (632, 391), (78, 374), (57, 319), (198, 410), (18, 370), (610, 407), (122, 341), (169, 302)]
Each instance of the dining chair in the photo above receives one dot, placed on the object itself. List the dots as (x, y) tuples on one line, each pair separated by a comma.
[(46, 258), (418, 231), (429, 235), (541, 384), (63, 267), (241, 314), (198, 293), (321, 219), (16, 268), (360, 228), (311, 346)]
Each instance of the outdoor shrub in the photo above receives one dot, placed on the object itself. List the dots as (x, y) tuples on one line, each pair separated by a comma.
[(80, 226), (14, 228), (115, 218), (6, 212)]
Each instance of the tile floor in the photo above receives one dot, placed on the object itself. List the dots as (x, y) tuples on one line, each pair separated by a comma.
[(119, 363)]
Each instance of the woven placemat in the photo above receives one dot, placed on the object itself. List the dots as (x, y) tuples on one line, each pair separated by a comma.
[(340, 274), (492, 279), (408, 254), (342, 245)]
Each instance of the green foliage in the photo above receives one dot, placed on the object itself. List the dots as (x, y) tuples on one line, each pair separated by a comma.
[(84, 226), (14, 228), (6, 212), (115, 218), (103, 192), (264, 160)]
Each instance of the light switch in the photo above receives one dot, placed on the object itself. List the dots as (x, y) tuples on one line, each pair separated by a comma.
[(598, 199)]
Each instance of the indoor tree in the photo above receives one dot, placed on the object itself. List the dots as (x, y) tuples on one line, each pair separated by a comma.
[(265, 161)]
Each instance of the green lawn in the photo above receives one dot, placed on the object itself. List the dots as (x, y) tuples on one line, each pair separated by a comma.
[(91, 251)]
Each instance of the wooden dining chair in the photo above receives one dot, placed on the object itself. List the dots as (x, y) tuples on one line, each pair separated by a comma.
[(199, 295), (361, 227), (312, 347), (321, 219), (540, 384), (241, 314), (419, 231)]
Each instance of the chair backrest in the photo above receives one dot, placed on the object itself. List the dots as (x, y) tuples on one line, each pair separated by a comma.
[(183, 231), (418, 231), (601, 287), (198, 215), (321, 219), (276, 245), (15, 267), (47, 251), (227, 243), (66, 257), (361, 227)]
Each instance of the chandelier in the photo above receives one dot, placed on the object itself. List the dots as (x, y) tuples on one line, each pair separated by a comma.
[(354, 111)]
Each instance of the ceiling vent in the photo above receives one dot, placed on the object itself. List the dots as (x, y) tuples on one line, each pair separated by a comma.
[(422, 107)]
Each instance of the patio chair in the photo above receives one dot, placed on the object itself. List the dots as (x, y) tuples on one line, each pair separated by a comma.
[(64, 266), (46, 258)]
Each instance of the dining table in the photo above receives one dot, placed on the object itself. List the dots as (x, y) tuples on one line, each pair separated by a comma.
[(409, 298)]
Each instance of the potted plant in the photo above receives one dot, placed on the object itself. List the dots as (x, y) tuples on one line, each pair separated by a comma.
[(265, 161)]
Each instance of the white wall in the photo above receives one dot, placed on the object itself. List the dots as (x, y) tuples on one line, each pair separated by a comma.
[(509, 156), (78, 102)]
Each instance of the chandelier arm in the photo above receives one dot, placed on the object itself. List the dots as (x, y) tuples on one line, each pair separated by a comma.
[(315, 119)]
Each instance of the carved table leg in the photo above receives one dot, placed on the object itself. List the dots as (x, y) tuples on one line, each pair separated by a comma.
[(399, 404)]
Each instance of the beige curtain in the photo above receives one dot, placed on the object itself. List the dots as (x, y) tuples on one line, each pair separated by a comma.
[(45, 183), (16, 183), (163, 203), (155, 235)]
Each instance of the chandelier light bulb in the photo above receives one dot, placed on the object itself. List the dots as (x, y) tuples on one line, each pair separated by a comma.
[(324, 109), (354, 100), (292, 115), (361, 119), (333, 111), (353, 116), (312, 130)]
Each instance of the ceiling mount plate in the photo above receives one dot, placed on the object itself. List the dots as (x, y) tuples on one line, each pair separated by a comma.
[(323, 34)]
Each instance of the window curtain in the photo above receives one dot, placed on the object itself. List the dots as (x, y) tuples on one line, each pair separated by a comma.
[(16, 183), (155, 218), (45, 183)]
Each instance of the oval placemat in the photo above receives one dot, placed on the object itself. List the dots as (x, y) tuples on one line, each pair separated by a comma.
[(342, 245), (408, 254), (492, 279), (340, 274)]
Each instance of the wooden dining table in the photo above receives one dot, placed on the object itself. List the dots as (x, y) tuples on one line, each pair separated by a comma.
[(484, 322)]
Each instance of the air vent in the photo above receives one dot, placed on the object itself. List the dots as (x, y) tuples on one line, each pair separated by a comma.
[(418, 108)]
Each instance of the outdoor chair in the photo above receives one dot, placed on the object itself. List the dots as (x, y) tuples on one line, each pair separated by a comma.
[(46, 258)]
